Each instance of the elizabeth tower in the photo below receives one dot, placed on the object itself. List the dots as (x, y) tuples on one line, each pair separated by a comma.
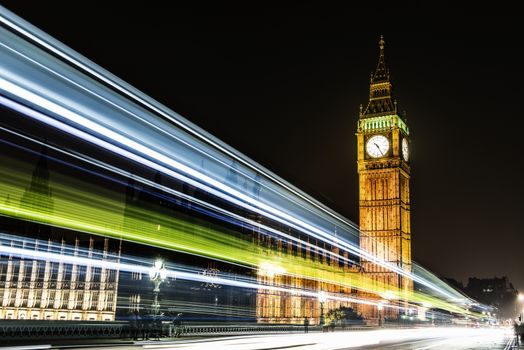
[(383, 148)]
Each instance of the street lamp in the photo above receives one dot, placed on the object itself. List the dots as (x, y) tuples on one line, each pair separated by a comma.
[(157, 274), (322, 299), (520, 298), (380, 307)]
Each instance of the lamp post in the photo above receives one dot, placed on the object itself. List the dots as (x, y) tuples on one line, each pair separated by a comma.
[(380, 307), (520, 298), (322, 299), (157, 274)]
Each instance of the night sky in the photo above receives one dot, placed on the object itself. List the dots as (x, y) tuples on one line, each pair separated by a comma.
[(284, 84)]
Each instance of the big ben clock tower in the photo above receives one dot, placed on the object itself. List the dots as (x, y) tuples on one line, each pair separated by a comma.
[(383, 148)]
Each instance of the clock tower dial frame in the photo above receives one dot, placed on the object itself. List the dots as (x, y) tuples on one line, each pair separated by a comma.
[(377, 146), (405, 149)]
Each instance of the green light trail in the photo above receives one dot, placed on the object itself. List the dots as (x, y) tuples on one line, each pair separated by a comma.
[(85, 207)]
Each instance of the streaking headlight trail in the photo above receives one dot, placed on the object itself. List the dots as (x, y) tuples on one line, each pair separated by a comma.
[(223, 201)]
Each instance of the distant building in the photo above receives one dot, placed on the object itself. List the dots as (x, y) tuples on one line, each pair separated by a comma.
[(497, 292), (51, 290), (458, 285)]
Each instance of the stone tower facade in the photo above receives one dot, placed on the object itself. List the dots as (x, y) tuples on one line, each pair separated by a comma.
[(383, 150)]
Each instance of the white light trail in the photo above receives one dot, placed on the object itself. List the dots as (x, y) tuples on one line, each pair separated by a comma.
[(110, 168), (32, 33), (184, 275), (411, 338), (210, 185), (264, 229), (127, 147)]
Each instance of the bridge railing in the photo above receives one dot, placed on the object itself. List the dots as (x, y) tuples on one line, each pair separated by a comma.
[(44, 329), (190, 330), (26, 331)]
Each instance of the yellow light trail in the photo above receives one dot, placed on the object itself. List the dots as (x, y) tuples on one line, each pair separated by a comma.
[(84, 207)]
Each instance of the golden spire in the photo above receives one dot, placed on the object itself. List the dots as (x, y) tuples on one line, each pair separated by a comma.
[(381, 101), (381, 73)]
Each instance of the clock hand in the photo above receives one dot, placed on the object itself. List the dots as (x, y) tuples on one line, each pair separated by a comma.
[(379, 150)]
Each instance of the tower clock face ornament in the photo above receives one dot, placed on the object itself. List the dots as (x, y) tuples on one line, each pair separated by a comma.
[(405, 149), (377, 146)]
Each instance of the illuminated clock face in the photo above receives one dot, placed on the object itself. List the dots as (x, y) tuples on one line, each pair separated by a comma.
[(377, 146), (405, 149)]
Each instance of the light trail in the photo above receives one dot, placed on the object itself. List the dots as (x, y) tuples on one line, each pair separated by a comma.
[(60, 96), (227, 250), (42, 39), (418, 270), (184, 275), (109, 136), (328, 236), (236, 198), (223, 214), (23, 249), (413, 338), (198, 250)]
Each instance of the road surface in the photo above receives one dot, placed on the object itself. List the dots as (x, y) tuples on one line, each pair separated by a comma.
[(435, 338)]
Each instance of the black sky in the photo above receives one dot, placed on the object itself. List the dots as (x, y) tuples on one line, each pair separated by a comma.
[(283, 85)]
